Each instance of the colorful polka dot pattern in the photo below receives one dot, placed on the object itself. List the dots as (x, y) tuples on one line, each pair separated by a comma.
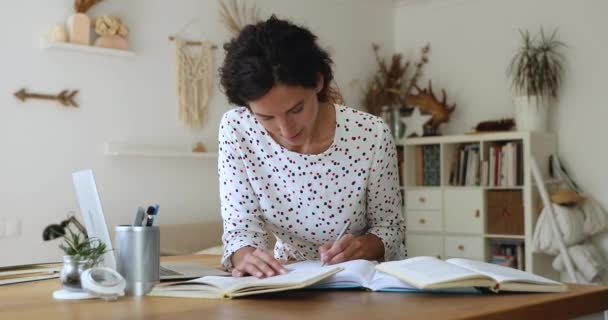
[(304, 200)]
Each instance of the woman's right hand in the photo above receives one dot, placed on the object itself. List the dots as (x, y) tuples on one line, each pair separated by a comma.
[(255, 262)]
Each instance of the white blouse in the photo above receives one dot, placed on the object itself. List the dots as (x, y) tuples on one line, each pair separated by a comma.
[(304, 200)]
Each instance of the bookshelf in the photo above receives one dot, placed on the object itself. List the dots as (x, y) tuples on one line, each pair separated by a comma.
[(447, 217)]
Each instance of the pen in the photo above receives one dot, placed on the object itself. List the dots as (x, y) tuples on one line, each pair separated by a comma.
[(139, 217), (152, 213), (342, 232)]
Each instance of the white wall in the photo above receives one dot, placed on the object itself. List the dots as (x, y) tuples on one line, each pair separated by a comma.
[(472, 42), (133, 100)]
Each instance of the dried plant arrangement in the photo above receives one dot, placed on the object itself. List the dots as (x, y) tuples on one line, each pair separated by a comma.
[(236, 15), (537, 67), (392, 82), (82, 6)]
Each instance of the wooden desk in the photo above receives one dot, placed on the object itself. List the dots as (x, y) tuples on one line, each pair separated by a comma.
[(34, 301)]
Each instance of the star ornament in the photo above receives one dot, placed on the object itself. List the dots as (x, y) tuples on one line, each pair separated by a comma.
[(414, 124)]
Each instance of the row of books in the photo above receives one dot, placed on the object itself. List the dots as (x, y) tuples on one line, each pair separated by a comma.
[(508, 255), (504, 166), (465, 167)]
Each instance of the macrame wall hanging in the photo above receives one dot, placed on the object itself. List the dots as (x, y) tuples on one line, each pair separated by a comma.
[(194, 81)]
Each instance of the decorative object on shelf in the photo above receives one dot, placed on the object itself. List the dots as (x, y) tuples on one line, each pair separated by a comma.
[(199, 147), (414, 124), (194, 83), (426, 101), (112, 33), (57, 33), (79, 24), (65, 97), (390, 83), (236, 15), (495, 125), (536, 71), (194, 76)]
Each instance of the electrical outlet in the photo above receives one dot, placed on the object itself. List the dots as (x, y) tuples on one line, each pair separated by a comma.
[(2, 228), (12, 227)]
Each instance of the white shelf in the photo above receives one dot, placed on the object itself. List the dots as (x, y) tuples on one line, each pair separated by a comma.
[(505, 236), (64, 46), (148, 150)]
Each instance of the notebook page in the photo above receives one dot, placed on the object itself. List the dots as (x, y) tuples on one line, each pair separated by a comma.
[(381, 280), (292, 277), (500, 273), (425, 271), (355, 273)]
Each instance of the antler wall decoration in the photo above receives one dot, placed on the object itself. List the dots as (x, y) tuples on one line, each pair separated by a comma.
[(65, 97), (426, 101)]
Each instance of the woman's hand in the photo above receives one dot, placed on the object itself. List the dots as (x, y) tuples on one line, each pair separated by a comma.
[(350, 247), (255, 262)]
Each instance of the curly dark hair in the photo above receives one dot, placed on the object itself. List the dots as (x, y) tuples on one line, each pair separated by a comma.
[(273, 52)]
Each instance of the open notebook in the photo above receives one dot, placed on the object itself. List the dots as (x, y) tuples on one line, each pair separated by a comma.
[(432, 273), (362, 274), (214, 287)]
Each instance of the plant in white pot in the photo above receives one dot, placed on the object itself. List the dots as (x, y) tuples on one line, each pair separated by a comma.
[(536, 71)]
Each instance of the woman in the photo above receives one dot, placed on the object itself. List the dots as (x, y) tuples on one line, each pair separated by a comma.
[(294, 164)]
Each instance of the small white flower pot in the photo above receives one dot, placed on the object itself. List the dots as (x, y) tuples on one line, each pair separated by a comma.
[(531, 114)]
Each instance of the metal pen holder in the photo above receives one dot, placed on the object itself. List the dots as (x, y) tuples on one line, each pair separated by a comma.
[(138, 257)]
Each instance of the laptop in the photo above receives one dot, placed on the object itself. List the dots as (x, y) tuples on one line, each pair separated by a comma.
[(95, 223)]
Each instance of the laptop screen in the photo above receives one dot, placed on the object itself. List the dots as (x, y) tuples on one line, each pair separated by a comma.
[(92, 213)]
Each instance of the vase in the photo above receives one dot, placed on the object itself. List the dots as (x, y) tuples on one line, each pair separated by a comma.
[(72, 268), (397, 126), (531, 113), (58, 34), (112, 42), (79, 28)]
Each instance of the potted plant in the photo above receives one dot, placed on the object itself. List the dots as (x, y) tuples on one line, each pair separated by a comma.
[(536, 71), (112, 33), (81, 253)]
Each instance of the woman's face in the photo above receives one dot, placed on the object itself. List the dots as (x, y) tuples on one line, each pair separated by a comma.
[(288, 113)]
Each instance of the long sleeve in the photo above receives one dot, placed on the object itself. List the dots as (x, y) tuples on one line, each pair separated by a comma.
[(384, 197), (241, 214)]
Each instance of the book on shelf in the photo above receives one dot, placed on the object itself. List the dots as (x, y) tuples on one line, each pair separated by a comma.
[(431, 165), (216, 287), (400, 162), (432, 273), (419, 165), (492, 169), (508, 253)]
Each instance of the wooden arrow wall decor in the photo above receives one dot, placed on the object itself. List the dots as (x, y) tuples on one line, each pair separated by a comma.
[(65, 97)]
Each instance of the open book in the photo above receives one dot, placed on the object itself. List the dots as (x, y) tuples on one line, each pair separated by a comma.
[(25, 273), (432, 273), (214, 287), (363, 274)]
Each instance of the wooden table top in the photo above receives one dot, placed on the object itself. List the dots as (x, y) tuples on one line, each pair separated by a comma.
[(34, 301)]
